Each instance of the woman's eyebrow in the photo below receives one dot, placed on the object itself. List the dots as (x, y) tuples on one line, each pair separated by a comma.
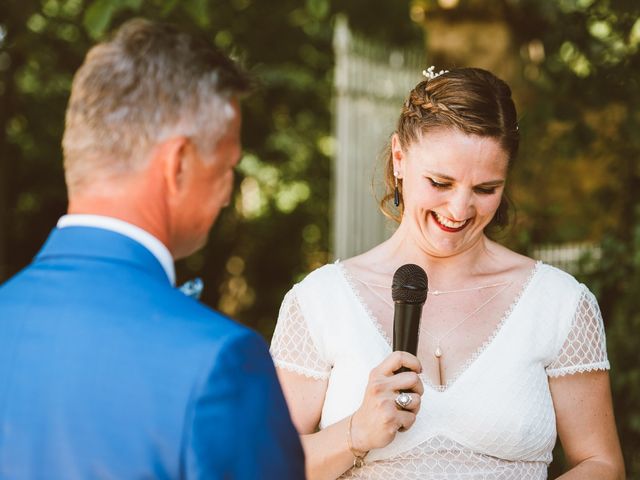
[(489, 183), (441, 175)]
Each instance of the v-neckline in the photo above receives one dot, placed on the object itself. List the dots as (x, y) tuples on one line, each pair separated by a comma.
[(490, 340)]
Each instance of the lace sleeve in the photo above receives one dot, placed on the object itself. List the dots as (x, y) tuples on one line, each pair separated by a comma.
[(292, 347), (585, 348)]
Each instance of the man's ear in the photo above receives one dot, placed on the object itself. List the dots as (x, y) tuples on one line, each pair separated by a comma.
[(397, 155), (173, 156)]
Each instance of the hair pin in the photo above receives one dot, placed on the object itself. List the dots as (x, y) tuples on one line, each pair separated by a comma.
[(430, 74)]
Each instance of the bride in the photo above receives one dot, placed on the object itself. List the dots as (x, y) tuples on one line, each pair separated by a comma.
[(512, 352)]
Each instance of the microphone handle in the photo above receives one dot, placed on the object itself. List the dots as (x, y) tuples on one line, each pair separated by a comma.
[(406, 328)]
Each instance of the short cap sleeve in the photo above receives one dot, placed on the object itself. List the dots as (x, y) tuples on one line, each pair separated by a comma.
[(292, 346), (585, 348)]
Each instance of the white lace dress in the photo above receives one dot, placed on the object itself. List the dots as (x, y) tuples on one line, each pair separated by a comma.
[(495, 420)]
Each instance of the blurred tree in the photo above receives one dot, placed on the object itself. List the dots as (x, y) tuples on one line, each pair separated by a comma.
[(41, 44), (580, 143)]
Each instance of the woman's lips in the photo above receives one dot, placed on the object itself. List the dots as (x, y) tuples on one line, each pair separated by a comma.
[(450, 226)]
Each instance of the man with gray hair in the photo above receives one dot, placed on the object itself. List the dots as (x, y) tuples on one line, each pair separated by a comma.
[(106, 370)]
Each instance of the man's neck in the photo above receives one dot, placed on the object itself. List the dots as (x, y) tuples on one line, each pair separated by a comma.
[(129, 211)]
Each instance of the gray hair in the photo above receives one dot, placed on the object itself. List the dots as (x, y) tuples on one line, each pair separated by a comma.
[(146, 84)]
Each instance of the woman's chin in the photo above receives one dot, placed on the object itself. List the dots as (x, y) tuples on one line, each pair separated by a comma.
[(444, 244)]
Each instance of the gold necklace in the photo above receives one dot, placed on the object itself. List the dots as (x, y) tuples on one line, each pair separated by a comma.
[(438, 351), (441, 292)]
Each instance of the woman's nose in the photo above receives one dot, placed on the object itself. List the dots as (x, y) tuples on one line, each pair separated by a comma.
[(460, 205)]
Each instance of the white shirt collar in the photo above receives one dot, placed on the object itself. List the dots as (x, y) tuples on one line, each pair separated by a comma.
[(151, 243)]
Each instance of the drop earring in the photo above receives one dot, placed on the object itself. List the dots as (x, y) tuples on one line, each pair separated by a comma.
[(396, 192)]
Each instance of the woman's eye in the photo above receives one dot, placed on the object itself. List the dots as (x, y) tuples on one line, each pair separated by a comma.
[(485, 191), (438, 184)]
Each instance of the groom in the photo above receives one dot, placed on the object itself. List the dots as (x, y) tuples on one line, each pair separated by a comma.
[(106, 370)]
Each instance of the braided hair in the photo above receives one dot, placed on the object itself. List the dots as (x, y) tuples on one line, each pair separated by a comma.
[(471, 100)]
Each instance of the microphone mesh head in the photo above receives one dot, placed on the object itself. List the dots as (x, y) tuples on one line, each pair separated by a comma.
[(409, 284)]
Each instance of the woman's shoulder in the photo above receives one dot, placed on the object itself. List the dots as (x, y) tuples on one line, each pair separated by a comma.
[(544, 272), (321, 278), (558, 276), (322, 294)]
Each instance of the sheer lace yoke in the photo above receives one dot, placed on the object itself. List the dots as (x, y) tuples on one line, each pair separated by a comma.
[(349, 280)]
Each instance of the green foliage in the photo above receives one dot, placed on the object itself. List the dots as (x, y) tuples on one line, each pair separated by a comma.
[(580, 160), (617, 284), (97, 17)]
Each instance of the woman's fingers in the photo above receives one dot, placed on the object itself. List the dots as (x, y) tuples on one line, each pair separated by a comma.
[(396, 361), (385, 409), (406, 419), (406, 381)]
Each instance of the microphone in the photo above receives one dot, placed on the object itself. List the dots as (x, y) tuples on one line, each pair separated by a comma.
[(409, 292)]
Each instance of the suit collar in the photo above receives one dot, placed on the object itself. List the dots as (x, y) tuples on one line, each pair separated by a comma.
[(147, 240), (98, 243)]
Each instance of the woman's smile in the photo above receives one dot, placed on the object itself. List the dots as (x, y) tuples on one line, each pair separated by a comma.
[(449, 225)]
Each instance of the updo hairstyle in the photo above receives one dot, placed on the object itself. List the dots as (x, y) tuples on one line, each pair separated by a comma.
[(471, 100)]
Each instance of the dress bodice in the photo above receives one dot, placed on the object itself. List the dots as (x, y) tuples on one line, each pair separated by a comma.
[(496, 415)]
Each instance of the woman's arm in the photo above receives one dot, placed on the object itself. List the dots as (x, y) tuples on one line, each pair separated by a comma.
[(326, 452), (586, 427), (374, 424)]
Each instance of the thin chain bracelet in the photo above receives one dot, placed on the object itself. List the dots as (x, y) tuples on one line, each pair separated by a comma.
[(358, 460)]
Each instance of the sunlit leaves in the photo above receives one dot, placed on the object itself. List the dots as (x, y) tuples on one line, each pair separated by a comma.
[(569, 6), (71, 8), (312, 233), (634, 35), (600, 29), (35, 79), (97, 18), (37, 23), (289, 75), (252, 202), (264, 188), (199, 11), (224, 39), (594, 35), (575, 59), (327, 145), (290, 195), (318, 9)]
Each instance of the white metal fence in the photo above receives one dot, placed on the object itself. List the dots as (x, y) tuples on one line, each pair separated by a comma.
[(371, 82), (574, 258)]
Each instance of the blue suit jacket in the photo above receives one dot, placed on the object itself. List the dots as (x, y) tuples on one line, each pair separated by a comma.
[(107, 372)]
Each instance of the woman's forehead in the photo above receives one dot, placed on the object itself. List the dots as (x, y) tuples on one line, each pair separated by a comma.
[(455, 154), (450, 149)]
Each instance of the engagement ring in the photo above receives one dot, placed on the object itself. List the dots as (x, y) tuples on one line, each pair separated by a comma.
[(403, 400)]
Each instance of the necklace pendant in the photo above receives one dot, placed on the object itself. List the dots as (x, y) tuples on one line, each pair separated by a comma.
[(438, 352)]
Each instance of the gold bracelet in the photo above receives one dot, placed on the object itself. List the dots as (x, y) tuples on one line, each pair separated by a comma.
[(358, 460)]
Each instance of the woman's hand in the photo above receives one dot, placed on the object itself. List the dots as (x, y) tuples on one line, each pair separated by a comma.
[(379, 418)]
